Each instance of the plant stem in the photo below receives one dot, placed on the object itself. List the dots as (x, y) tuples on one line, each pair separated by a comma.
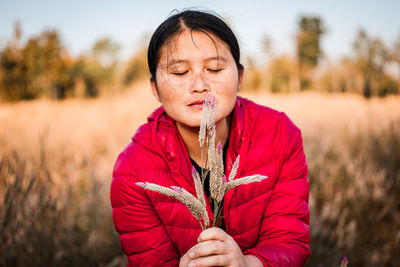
[(216, 211), (202, 167), (205, 165)]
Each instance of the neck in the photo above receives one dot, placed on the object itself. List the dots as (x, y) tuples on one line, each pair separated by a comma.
[(190, 136)]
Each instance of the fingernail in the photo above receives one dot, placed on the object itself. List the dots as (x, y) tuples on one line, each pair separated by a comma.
[(192, 264), (191, 254)]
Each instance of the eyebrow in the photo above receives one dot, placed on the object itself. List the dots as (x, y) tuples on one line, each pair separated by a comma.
[(179, 61), (219, 58)]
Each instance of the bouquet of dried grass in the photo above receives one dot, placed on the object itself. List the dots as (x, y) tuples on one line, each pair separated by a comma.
[(219, 184)]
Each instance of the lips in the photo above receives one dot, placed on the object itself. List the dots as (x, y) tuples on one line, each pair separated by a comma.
[(199, 102), (196, 104)]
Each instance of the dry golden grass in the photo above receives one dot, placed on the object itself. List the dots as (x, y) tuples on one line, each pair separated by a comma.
[(89, 126), (331, 114), (69, 147)]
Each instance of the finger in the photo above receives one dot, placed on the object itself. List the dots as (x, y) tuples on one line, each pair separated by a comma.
[(214, 260), (208, 248), (184, 261), (213, 233)]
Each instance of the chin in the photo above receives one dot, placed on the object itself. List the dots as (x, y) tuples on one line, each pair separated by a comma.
[(194, 125), (190, 123)]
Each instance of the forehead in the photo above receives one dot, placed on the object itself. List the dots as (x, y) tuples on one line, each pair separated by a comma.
[(194, 45)]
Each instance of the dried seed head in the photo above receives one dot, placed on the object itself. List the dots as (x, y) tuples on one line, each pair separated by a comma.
[(199, 187), (158, 188), (195, 174), (142, 185), (217, 186), (219, 147), (211, 109), (219, 160), (207, 98), (193, 204), (245, 180), (221, 189), (211, 147), (234, 169), (207, 118), (203, 122), (214, 184), (177, 189), (212, 134)]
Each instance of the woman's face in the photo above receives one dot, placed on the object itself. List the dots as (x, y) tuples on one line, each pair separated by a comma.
[(191, 65)]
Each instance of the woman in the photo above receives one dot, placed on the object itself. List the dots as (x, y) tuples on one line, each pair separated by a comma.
[(191, 54)]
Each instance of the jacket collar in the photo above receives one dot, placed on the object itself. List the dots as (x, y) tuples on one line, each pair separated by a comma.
[(167, 141)]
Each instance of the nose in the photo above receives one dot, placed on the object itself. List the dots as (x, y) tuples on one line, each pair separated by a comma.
[(200, 84)]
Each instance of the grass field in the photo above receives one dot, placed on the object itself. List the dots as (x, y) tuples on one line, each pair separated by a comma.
[(56, 161)]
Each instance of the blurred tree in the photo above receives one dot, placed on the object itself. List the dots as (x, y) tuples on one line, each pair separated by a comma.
[(12, 83), (96, 69), (371, 58), (268, 48), (308, 47), (10, 69), (105, 51), (267, 44), (100, 68), (42, 67), (45, 61), (282, 71), (37, 69), (396, 56), (340, 77), (136, 67), (253, 78), (17, 34)]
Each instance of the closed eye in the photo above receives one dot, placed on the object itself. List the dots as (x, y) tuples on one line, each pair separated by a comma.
[(214, 70), (180, 73)]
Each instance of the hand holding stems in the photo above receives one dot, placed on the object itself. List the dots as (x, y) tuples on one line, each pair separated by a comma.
[(216, 248)]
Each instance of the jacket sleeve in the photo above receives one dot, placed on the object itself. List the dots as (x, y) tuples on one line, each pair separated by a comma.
[(284, 233), (143, 236)]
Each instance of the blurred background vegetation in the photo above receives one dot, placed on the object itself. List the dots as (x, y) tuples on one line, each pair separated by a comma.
[(42, 67), (57, 156)]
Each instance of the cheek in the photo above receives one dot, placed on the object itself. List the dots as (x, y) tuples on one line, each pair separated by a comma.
[(227, 100), (231, 79), (227, 91), (165, 90), (170, 88), (167, 97)]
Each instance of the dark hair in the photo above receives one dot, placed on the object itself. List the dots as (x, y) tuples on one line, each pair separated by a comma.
[(195, 21)]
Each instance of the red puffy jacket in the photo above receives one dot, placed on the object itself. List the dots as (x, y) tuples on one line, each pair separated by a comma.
[(269, 219)]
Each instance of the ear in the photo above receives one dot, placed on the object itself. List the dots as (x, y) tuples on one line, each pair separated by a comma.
[(240, 78), (154, 89)]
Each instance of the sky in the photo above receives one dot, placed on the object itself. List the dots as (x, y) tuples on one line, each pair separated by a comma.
[(81, 23)]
